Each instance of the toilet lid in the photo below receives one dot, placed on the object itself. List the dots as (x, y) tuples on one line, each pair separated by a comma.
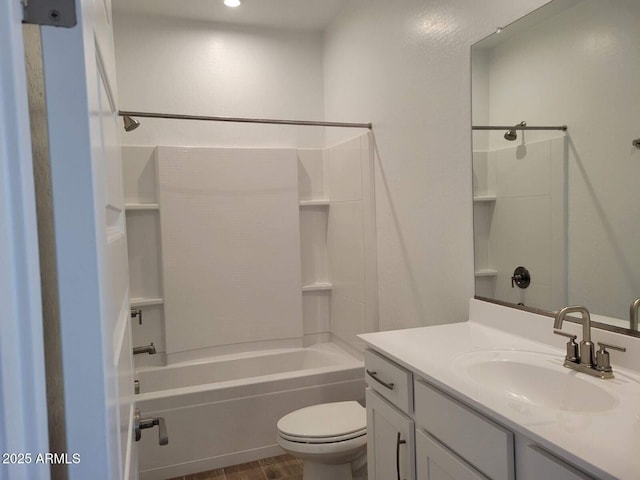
[(327, 420)]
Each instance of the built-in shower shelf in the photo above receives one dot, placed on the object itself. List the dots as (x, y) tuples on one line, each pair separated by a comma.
[(145, 302), (484, 198), (486, 272), (320, 202), (141, 206), (317, 287)]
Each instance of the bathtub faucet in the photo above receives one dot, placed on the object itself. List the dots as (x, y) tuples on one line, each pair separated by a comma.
[(150, 349)]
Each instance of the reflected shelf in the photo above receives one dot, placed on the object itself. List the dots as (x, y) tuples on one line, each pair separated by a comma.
[(141, 206), (322, 202), (486, 272), (317, 287), (484, 198)]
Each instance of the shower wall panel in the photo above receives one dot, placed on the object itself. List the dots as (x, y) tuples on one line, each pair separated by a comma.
[(351, 240), (230, 234), (527, 223)]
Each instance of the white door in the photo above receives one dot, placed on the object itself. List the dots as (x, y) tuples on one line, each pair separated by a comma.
[(23, 408), (91, 247)]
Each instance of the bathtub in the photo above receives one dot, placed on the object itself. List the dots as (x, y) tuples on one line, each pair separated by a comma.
[(223, 410)]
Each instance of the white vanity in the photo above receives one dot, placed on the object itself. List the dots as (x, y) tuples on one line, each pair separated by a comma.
[(490, 398)]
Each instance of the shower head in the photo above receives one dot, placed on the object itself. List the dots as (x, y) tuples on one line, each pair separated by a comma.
[(130, 124), (511, 135)]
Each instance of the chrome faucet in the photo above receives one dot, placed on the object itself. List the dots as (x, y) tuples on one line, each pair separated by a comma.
[(633, 314), (582, 358), (150, 349), (586, 347)]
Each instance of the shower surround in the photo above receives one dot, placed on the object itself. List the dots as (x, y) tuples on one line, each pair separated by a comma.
[(230, 232), (241, 257)]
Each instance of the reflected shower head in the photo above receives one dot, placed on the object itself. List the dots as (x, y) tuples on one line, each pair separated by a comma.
[(130, 124), (511, 135)]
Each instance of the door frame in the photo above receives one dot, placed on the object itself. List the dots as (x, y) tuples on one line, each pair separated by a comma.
[(23, 406)]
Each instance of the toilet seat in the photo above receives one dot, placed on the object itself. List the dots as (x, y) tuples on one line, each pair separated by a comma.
[(338, 438), (324, 423)]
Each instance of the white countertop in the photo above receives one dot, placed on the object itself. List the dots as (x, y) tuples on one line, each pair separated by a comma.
[(605, 444)]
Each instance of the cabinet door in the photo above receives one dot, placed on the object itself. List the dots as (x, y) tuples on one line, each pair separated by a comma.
[(390, 441), (535, 463), (436, 462)]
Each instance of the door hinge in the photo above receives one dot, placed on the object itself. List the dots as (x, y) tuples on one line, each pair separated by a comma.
[(57, 13)]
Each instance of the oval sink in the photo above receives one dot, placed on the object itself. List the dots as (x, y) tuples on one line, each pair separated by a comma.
[(538, 380)]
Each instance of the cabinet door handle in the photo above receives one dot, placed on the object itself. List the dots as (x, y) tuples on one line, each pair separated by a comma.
[(373, 375), (398, 443)]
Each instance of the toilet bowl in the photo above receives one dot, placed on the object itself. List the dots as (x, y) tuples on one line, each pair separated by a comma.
[(330, 439)]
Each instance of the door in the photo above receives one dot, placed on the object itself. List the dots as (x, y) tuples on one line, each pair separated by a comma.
[(435, 462), (23, 408), (91, 248), (390, 441)]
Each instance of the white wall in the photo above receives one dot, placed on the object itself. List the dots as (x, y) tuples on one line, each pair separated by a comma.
[(402, 65), (581, 68), (188, 67), (405, 66)]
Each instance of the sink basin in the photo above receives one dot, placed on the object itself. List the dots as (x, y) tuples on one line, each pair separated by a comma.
[(536, 379)]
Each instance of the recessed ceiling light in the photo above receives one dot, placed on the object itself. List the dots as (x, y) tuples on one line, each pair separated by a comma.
[(232, 3)]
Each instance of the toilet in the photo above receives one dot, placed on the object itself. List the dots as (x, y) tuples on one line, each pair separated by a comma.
[(329, 438)]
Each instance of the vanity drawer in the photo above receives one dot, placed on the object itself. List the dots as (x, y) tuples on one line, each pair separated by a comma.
[(390, 380), (484, 444)]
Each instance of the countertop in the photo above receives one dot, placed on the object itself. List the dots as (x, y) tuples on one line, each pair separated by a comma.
[(604, 444)]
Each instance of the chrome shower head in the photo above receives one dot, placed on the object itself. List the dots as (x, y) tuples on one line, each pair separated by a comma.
[(511, 135), (130, 124)]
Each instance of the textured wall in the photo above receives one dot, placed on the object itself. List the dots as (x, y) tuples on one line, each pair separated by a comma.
[(189, 67), (405, 66)]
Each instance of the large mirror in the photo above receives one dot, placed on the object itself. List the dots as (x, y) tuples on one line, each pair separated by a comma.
[(562, 205)]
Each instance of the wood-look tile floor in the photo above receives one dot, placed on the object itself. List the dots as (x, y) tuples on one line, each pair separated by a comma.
[(284, 467)]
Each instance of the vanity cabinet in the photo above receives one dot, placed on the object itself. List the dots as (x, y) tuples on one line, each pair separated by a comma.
[(417, 431)]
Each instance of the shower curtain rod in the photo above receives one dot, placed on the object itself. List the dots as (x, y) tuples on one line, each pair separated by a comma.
[(123, 113), (520, 127)]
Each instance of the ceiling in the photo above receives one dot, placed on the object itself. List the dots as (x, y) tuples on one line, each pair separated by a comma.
[(290, 14)]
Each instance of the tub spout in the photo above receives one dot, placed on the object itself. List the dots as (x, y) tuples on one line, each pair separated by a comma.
[(150, 349)]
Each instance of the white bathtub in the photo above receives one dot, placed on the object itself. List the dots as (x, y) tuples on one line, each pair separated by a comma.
[(223, 411)]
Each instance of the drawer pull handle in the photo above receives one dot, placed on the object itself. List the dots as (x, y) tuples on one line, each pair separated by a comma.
[(381, 382), (398, 443)]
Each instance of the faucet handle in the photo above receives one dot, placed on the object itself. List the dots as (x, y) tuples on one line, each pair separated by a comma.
[(150, 422), (572, 346), (603, 363), (564, 334), (603, 346)]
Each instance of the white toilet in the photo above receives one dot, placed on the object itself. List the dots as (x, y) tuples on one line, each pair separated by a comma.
[(330, 439)]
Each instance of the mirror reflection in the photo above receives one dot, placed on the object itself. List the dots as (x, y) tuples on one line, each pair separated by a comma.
[(557, 213)]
